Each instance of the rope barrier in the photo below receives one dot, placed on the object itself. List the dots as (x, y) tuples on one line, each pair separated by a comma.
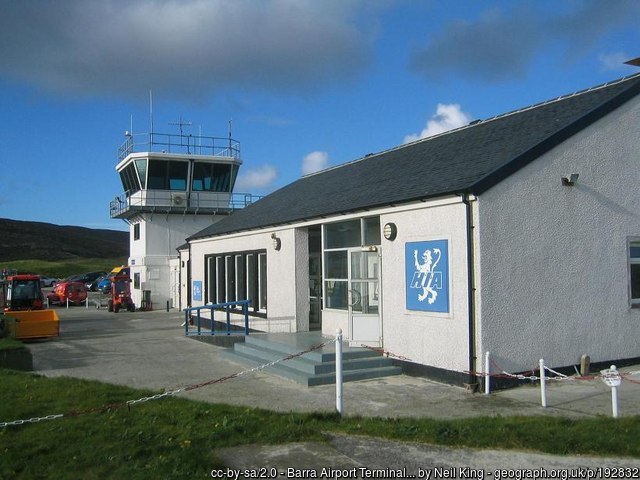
[(129, 403), (504, 374)]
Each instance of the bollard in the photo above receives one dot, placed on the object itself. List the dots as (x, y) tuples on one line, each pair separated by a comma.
[(339, 406), (543, 384), (167, 306), (487, 374)]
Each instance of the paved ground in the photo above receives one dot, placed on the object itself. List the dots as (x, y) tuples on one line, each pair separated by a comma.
[(149, 350)]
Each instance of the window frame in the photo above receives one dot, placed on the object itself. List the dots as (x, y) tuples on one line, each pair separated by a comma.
[(331, 282), (225, 281)]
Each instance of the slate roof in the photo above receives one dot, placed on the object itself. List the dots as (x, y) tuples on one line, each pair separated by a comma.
[(468, 160)]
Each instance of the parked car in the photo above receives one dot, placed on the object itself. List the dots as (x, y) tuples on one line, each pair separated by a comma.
[(104, 285), (86, 278), (93, 286), (47, 281), (76, 292)]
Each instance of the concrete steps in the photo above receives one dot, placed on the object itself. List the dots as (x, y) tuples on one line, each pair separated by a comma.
[(312, 368)]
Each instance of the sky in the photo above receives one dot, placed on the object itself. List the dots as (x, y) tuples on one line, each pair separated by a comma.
[(303, 84)]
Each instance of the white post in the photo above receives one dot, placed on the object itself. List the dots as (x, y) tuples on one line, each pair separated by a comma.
[(487, 374), (67, 302), (543, 384), (614, 394), (86, 302), (339, 371)]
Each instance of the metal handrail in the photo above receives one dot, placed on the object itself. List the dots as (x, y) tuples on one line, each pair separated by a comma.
[(179, 143), (189, 318), (188, 202)]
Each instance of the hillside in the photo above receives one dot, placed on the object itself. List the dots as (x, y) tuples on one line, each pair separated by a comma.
[(44, 241)]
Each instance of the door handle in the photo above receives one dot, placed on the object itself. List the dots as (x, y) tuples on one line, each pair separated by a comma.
[(355, 295)]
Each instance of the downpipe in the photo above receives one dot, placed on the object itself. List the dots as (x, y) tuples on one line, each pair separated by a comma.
[(471, 290)]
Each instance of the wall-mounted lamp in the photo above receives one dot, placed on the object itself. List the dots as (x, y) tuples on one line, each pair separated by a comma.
[(571, 180), (390, 231), (276, 242)]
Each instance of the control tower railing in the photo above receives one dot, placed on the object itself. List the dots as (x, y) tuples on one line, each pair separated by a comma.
[(179, 202), (179, 143)]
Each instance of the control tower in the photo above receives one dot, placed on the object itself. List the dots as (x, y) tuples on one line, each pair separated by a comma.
[(174, 185)]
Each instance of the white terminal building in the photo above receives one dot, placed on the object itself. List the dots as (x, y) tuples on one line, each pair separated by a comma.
[(174, 186), (517, 235)]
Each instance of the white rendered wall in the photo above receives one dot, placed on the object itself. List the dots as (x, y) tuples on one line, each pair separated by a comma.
[(554, 279), (435, 339), (160, 236), (287, 274)]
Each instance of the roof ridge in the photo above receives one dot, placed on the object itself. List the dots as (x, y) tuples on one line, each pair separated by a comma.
[(560, 98), (474, 123)]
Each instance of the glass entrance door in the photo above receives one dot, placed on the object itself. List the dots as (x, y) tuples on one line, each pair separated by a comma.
[(365, 323)]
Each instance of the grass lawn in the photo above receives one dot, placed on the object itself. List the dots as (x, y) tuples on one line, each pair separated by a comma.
[(99, 437), (64, 268)]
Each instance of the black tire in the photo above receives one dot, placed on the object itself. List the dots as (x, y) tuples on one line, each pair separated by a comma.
[(116, 308), (110, 306), (132, 307)]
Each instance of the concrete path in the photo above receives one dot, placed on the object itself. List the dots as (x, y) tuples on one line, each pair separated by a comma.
[(149, 350)]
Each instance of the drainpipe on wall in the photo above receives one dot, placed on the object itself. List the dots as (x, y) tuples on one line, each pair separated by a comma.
[(473, 379)]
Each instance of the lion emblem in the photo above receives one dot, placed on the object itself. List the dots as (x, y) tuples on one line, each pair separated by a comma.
[(424, 275)]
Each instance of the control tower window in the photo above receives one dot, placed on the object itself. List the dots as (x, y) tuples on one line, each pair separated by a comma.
[(212, 177), (129, 179), (167, 175), (141, 165)]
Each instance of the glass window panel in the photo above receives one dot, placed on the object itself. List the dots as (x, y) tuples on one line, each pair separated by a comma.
[(123, 180), (234, 175), (372, 231), (178, 175), (252, 280), (211, 287), (231, 278), (342, 234), (241, 288), (201, 176), (364, 265), (221, 177), (336, 294), (262, 260), (222, 296), (157, 175), (141, 165), (336, 264), (634, 251), (635, 281)]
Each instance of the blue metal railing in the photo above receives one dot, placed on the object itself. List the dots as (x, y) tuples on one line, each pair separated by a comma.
[(228, 308)]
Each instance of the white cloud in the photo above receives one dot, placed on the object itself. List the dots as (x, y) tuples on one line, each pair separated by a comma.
[(614, 61), (185, 49), (314, 162), (256, 178), (447, 117)]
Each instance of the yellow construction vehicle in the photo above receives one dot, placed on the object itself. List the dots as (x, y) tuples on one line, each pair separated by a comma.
[(22, 307)]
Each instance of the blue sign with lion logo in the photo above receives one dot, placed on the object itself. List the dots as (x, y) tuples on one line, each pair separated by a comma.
[(197, 290), (427, 276)]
